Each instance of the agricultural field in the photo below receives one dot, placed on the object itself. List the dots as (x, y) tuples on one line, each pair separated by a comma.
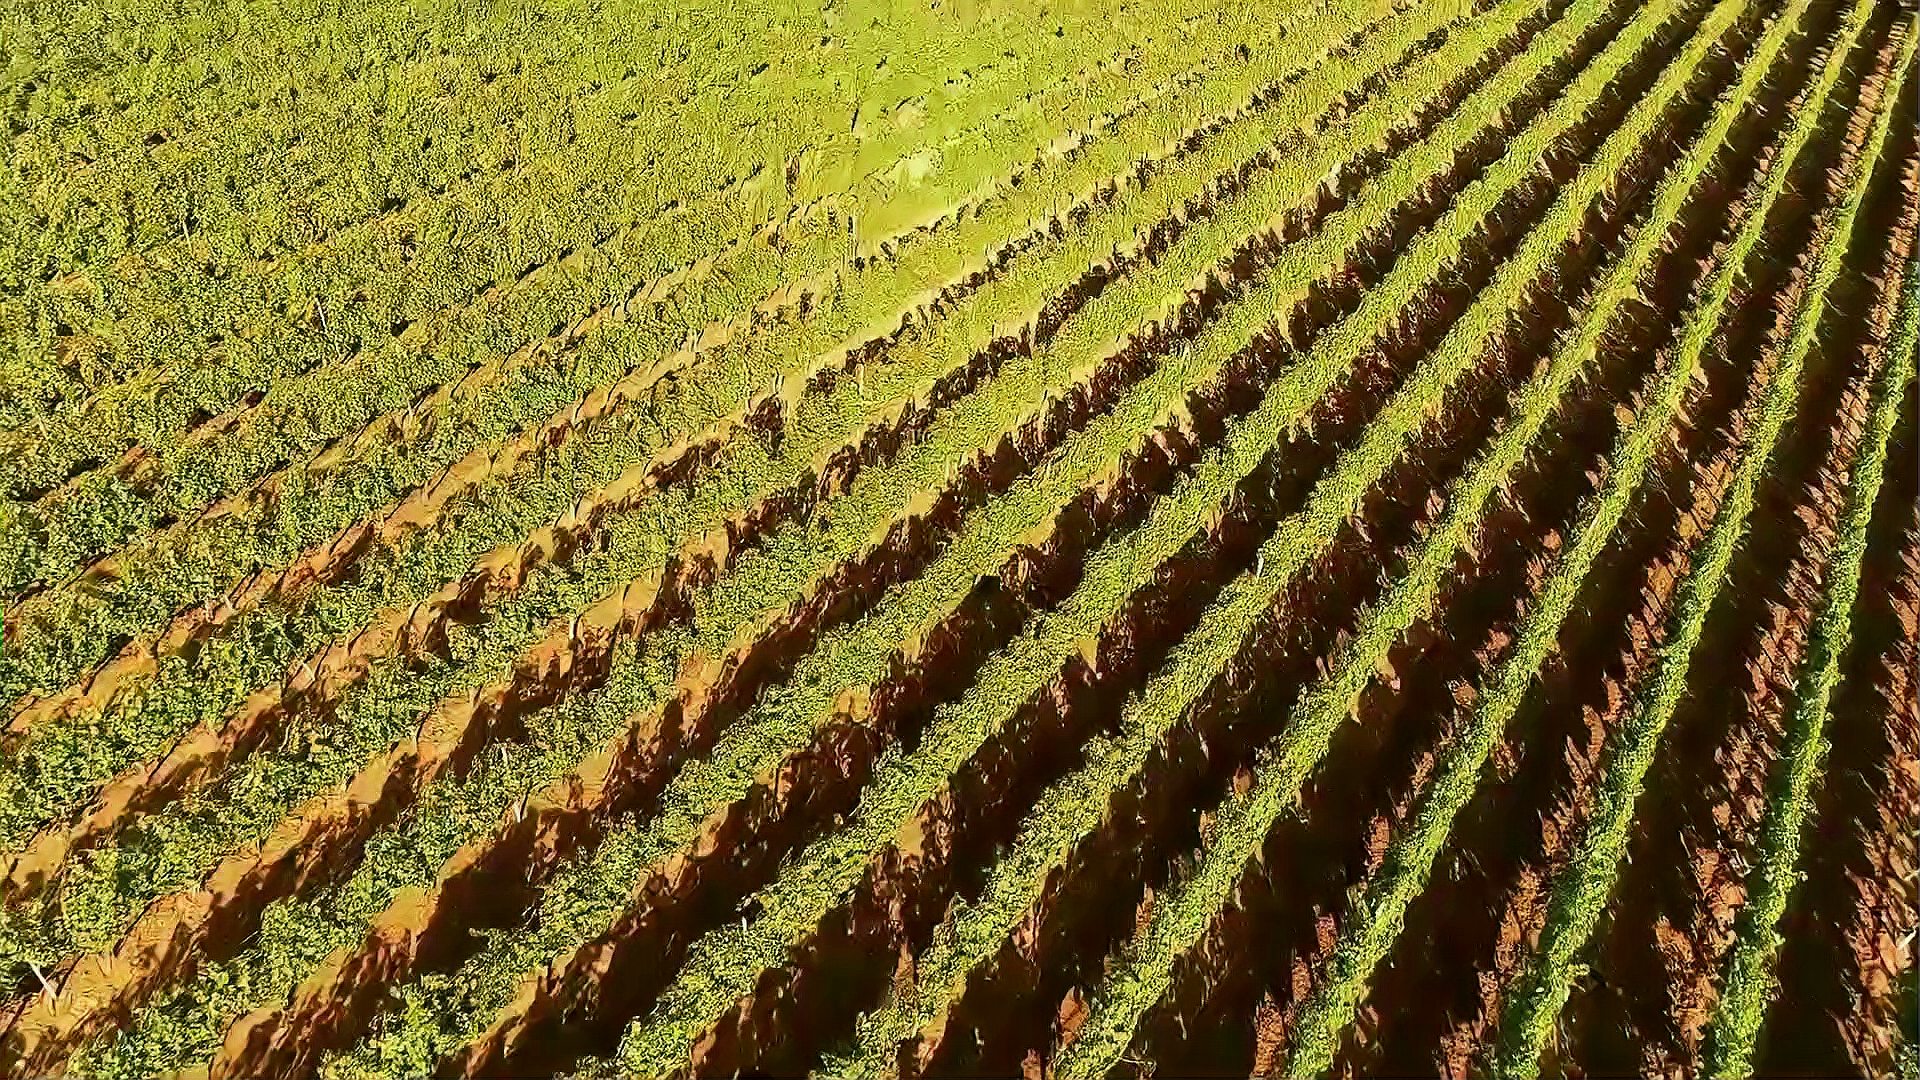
[(1099, 538)]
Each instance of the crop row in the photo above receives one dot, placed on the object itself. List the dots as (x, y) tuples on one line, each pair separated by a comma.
[(1077, 804), (407, 572), (796, 904), (1180, 919), (1749, 982), (658, 833), (747, 481), (850, 385), (705, 261), (673, 397), (1580, 895), (546, 187), (1025, 562), (1379, 913)]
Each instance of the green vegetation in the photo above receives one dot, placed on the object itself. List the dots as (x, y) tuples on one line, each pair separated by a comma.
[(1243, 821), (526, 529), (1379, 913), (170, 851), (1750, 980), (1579, 896)]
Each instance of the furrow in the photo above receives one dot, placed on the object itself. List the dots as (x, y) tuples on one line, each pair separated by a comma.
[(1750, 981), (1581, 893), (1680, 890), (1010, 680), (1552, 756), (1280, 554), (1846, 953), (1112, 224), (1243, 821), (1378, 913), (256, 773), (146, 731), (1273, 184), (1372, 537), (1243, 308), (366, 433), (605, 135)]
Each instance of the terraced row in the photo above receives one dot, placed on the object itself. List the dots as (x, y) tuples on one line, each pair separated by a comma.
[(687, 258)]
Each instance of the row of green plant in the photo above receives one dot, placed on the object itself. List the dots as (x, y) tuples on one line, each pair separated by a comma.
[(792, 563), (1581, 891), (416, 299), (1077, 806), (726, 964), (70, 629), (600, 63), (84, 101), (1020, 383), (442, 1013), (1243, 820), (62, 764), (1750, 981), (181, 837), (79, 747), (1377, 915), (734, 612), (222, 85), (317, 398), (556, 183)]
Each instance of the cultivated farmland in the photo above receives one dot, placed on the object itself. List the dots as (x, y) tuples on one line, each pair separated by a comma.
[(1089, 539)]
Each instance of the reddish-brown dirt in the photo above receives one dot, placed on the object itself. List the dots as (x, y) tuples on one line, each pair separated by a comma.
[(1847, 933), (1580, 685), (1013, 457), (1412, 489), (1478, 607), (1683, 887), (1651, 969)]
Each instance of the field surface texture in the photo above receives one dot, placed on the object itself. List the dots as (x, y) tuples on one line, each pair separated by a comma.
[(1086, 539)]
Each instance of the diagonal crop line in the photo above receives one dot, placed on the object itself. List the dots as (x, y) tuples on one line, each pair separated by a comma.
[(597, 533), (1016, 387), (566, 199), (1146, 969), (1051, 831), (793, 906), (635, 335), (1074, 807), (176, 847), (165, 573), (757, 744), (113, 507), (1080, 333), (72, 629), (1750, 978), (1580, 894), (57, 772), (1377, 915), (752, 472)]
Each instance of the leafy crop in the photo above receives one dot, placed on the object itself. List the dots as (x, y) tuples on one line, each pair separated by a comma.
[(619, 537)]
